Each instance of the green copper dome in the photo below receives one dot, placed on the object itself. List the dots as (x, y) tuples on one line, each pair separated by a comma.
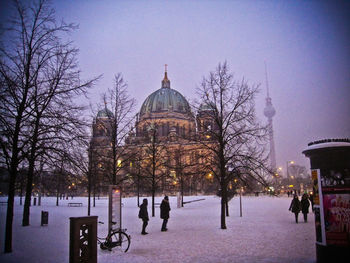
[(165, 100), (105, 113)]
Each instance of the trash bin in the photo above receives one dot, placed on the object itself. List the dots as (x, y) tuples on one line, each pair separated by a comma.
[(330, 174), (44, 218)]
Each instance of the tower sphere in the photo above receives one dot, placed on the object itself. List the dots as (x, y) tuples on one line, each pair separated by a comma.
[(269, 110)]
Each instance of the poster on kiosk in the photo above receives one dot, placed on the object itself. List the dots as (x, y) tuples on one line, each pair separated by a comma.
[(115, 208), (334, 194)]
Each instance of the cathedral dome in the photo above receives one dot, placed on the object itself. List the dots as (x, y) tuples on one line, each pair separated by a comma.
[(105, 113), (165, 100)]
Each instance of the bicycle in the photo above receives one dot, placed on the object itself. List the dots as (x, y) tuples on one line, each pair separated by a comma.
[(115, 238)]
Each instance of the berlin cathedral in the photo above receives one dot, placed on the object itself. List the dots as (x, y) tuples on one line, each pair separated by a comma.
[(163, 152)]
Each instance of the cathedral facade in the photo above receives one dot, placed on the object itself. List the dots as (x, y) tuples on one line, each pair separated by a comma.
[(163, 152)]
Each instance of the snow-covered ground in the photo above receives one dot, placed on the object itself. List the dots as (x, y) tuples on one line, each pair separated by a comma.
[(265, 233)]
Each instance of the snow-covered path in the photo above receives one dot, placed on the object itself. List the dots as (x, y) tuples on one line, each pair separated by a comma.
[(266, 233)]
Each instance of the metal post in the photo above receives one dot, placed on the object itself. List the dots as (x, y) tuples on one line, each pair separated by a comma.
[(89, 180), (240, 202)]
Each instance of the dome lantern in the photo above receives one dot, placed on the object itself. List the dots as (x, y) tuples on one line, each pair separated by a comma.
[(166, 81), (165, 99)]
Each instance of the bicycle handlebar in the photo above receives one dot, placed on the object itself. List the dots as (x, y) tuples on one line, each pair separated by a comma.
[(113, 223)]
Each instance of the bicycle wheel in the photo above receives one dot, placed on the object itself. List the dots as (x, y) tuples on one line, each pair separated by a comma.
[(120, 240)]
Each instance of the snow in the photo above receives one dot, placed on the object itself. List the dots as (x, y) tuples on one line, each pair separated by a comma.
[(265, 233)]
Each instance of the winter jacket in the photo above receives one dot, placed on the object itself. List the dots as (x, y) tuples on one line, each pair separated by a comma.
[(295, 205), (143, 213), (164, 209), (305, 205)]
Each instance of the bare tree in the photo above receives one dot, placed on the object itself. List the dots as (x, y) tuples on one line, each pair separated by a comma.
[(121, 123), (39, 76), (234, 138), (153, 161), (180, 161)]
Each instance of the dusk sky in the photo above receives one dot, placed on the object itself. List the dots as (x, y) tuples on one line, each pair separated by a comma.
[(306, 46)]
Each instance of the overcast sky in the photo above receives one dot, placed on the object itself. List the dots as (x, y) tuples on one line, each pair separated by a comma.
[(306, 45)]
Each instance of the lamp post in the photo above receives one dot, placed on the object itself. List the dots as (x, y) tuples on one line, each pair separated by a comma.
[(287, 170)]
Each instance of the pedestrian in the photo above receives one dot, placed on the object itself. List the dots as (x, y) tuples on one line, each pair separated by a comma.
[(295, 207), (143, 214), (305, 204), (164, 212)]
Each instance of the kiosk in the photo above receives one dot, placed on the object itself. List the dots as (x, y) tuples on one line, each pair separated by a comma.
[(330, 172)]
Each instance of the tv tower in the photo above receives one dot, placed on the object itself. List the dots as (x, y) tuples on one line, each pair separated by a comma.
[(269, 112)]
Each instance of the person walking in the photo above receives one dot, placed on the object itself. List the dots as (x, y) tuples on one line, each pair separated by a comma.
[(143, 214), (305, 204), (295, 207), (164, 212)]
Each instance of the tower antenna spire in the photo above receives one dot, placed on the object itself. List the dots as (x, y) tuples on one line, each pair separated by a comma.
[(267, 81), (166, 67)]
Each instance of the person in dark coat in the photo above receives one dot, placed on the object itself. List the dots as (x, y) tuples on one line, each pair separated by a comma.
[(164, 212), (305, 204), (143, 214), (295, 207)]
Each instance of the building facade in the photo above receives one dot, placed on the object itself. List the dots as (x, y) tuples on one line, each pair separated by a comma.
[(162, 152)]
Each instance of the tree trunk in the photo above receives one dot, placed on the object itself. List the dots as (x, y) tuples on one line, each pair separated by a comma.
[(21, 193), (58, 189), (227, 214), (153, 208), (182, 192), (223, 205), (89, 191), (138, 190), (9, 215), (29, 187)]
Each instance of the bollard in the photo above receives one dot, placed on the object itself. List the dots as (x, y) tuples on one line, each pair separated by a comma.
[(330, 166), (44, 218), (178, 198), (34, 201), (83, 239)]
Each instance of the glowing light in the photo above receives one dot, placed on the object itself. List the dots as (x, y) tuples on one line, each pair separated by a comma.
[(119, 163), (207, 136), (290, 185)]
